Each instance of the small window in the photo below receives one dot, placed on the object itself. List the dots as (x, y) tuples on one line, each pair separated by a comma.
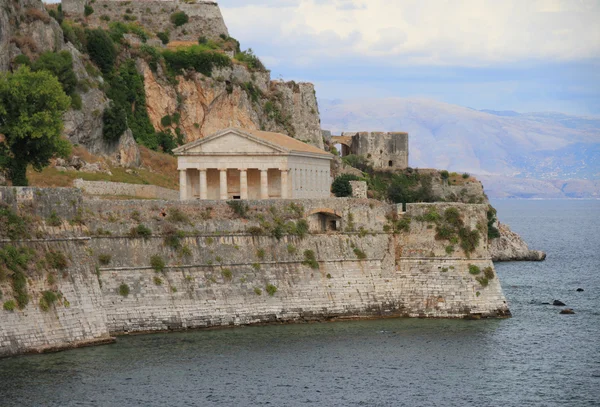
[(391, 163), (237, 197)]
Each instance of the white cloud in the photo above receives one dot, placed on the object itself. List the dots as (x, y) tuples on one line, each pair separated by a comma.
[(432, 32)]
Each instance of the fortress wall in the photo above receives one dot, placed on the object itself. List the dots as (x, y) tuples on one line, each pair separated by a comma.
[(212, 281), (205, 18), (123, 189), (77, 319)]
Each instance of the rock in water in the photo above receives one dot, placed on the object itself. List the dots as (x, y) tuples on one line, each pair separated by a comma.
[(558, 303), (511, 247), (567, 311), (580, 290)]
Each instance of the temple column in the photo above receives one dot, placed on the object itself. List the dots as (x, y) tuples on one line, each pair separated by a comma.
[(183, 185), (203, 185), (244, 184), (223, 187), (264, 184), (284, 185)]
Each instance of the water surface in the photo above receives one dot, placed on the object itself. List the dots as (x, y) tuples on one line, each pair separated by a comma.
[(537, 358)]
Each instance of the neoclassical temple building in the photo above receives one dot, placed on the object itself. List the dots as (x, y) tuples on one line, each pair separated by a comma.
[(251, 164)]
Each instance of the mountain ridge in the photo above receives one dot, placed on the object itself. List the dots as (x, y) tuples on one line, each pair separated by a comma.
[(546, 147)]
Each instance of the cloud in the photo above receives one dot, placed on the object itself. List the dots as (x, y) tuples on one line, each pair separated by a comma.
[(431, 32)]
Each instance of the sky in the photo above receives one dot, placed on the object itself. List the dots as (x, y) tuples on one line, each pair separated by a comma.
[(522, 55)]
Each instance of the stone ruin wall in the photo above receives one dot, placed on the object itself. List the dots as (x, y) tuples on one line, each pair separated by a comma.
[(385, 150), (217, 282)]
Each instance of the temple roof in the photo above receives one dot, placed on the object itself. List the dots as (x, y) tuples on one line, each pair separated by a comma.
[(280, 141)]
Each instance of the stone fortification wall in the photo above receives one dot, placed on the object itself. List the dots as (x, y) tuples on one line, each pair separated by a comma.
[(222, 269), (205, 18), (385, 150), (76, 319), (65, 202), (122, 189)]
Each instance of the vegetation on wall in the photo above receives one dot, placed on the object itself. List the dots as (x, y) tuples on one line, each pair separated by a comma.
[(13, 265), (179, 18)]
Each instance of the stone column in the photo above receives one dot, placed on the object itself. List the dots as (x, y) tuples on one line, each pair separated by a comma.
[(244, 184), (203, 185), (183, 185), (264, 184), (223, 187), (284, 184)]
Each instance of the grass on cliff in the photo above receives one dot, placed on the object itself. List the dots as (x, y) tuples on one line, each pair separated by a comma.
[(158, 169)]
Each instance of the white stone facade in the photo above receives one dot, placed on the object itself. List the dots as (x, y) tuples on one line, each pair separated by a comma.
[(249, 164)]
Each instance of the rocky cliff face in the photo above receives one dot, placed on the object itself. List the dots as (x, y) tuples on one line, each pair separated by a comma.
[(511, 247), (232, 97), (26, 28)]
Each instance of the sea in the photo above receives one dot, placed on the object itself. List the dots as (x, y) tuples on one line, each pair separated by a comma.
[(536, 358)]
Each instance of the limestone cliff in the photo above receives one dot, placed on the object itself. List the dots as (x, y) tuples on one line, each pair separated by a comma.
[(232, 97), (511, 247)]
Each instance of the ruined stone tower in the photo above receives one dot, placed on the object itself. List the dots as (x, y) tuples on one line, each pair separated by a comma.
[(384, 150)]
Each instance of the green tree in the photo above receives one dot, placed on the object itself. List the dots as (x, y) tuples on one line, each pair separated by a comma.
[(31, 109), (60, 65), (341, 185)]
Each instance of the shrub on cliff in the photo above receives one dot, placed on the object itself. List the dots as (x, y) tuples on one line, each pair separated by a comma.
[(341, 185), (88, 10), (179, 18), (60, 64), (199, 58), (114, 119), (357, 161), (101, 49), (493, 232), (31, 109), (250, 60), (164, 37)]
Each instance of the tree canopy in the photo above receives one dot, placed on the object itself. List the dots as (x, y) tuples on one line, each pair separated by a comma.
[(31, 109)]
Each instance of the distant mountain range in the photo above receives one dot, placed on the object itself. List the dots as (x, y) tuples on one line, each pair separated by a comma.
[(527, 155)]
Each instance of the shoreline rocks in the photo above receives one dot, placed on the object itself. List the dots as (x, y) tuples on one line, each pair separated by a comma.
[(511, 247)]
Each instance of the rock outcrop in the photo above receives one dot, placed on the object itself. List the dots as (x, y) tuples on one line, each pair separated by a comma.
[(232, 97), (511, 247), (26, 28)]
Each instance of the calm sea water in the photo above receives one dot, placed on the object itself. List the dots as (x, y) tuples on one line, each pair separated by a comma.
[(537, 358)]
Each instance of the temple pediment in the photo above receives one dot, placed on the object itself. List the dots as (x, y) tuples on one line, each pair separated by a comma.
[(231, 141)]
